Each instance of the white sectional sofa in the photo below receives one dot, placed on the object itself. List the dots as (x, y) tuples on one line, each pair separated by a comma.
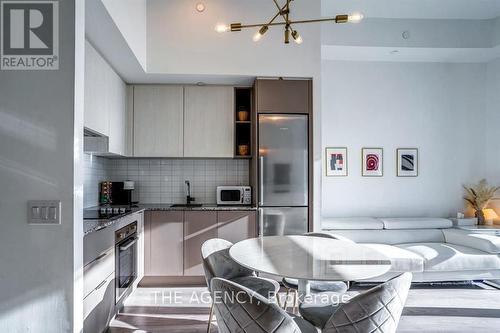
[(430, 248)]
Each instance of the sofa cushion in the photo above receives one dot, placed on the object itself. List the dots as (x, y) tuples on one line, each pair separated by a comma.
[(352, 223), (392, 236), (401, 260), (416, 223), (450, 257), (486, 243)]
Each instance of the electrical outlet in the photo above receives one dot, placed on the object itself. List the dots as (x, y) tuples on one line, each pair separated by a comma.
[(44, 212)]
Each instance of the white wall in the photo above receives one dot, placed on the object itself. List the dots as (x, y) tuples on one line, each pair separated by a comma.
[(39, 112), (492, 122), (439, 108), (130, 17)]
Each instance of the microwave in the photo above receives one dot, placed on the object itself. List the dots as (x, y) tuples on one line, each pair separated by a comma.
[(234, 195)]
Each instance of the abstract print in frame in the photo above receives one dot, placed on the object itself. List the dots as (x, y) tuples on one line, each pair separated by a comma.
[(407, 162), (336, 161), (372, 160)]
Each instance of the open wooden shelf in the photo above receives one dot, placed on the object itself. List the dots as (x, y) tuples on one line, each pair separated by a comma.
[(243, 128)]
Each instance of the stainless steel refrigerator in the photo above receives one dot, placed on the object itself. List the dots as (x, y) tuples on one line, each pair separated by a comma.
[(283, 174)]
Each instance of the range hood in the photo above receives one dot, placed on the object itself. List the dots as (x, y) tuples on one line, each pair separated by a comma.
[(95, 143)]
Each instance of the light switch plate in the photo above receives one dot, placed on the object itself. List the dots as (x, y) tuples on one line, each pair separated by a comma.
[(44, 212)]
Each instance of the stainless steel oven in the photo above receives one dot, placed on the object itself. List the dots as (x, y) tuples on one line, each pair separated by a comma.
[(126, 259)]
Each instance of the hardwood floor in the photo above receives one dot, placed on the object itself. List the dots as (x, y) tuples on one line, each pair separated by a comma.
[(429, 309)]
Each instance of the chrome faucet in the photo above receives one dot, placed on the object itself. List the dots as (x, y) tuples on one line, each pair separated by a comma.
[(189, 198)]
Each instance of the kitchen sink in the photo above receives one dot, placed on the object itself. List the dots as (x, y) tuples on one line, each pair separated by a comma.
[(186, 205)]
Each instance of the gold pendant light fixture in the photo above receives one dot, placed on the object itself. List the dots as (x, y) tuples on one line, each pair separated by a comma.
[(287, 22)]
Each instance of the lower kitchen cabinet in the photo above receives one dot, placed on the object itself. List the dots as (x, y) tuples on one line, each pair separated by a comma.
[(173, 239), (99, 306), (235, 226), (199, 226), (163, 243)]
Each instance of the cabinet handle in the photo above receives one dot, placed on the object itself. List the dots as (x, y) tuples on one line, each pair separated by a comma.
[(102, 255), (101, 284)]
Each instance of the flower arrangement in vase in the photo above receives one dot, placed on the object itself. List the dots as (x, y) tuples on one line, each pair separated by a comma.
[(479, 196)]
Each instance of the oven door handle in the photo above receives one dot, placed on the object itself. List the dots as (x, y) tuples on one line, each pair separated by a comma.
[(128, 244)]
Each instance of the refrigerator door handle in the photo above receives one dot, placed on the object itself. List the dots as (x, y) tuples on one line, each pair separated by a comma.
[(260, 232), (261, 180)]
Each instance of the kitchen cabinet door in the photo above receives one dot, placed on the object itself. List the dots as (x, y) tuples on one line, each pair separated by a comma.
[(105, 101), (158, 121), (96, 114), (209, 121), (235, 226), (117, 96), (99, 306), (199, 226), (283, 96), (164, 239)]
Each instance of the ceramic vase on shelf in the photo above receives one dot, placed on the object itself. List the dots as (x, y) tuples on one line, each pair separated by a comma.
[(242, 114), (243, 150)]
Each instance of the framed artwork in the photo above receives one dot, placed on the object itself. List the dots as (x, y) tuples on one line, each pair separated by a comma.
[(372, 160), (407, 162), (336, 161)]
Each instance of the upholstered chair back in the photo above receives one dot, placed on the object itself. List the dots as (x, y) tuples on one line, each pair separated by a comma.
[(218, 263), (376, 310), (241, 310)]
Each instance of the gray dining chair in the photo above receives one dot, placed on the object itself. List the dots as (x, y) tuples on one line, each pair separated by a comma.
[(377, 310), (242, 310), (291, 285), (218, 263)]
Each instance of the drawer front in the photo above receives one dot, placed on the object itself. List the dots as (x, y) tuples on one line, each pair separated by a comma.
[(97, 243), (98, 306), (95, 272)]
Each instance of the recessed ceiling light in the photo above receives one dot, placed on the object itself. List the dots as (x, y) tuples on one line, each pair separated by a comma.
[(200, 7), (200, 84), (394, 52)]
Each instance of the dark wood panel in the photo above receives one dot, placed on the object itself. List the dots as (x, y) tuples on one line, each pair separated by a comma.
[(198, 227), (283, 96)]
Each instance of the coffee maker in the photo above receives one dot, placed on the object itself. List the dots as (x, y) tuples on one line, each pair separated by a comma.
[(117, 193)]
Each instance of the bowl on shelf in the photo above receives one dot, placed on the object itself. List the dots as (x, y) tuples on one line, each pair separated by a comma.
[(242, 115), (243, 150)]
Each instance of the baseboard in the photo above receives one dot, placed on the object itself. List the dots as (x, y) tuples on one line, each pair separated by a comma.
[(172, 281)]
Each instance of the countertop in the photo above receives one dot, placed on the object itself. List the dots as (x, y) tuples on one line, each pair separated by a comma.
[(90, 226), (209, 207)]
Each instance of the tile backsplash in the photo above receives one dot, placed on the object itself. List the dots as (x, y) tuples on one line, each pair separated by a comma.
[(96, 170), (162, 180)]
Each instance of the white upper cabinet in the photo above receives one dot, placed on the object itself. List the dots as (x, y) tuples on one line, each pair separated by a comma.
[(209, 121), (117, 96), (96, 116), (158, 121), (105, 101)]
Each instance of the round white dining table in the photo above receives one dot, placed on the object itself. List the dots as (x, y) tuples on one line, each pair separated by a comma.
[(309, 258)]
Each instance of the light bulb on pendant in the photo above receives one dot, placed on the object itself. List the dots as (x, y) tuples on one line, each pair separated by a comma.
[(200, 7), (260, 33), (355, 18), (222, 28), (297, 37)]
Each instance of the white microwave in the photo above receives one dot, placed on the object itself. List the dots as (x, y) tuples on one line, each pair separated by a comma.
[(234, 195)]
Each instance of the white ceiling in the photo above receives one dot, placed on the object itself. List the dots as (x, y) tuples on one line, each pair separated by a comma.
[(418, 9), (409, 54)]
